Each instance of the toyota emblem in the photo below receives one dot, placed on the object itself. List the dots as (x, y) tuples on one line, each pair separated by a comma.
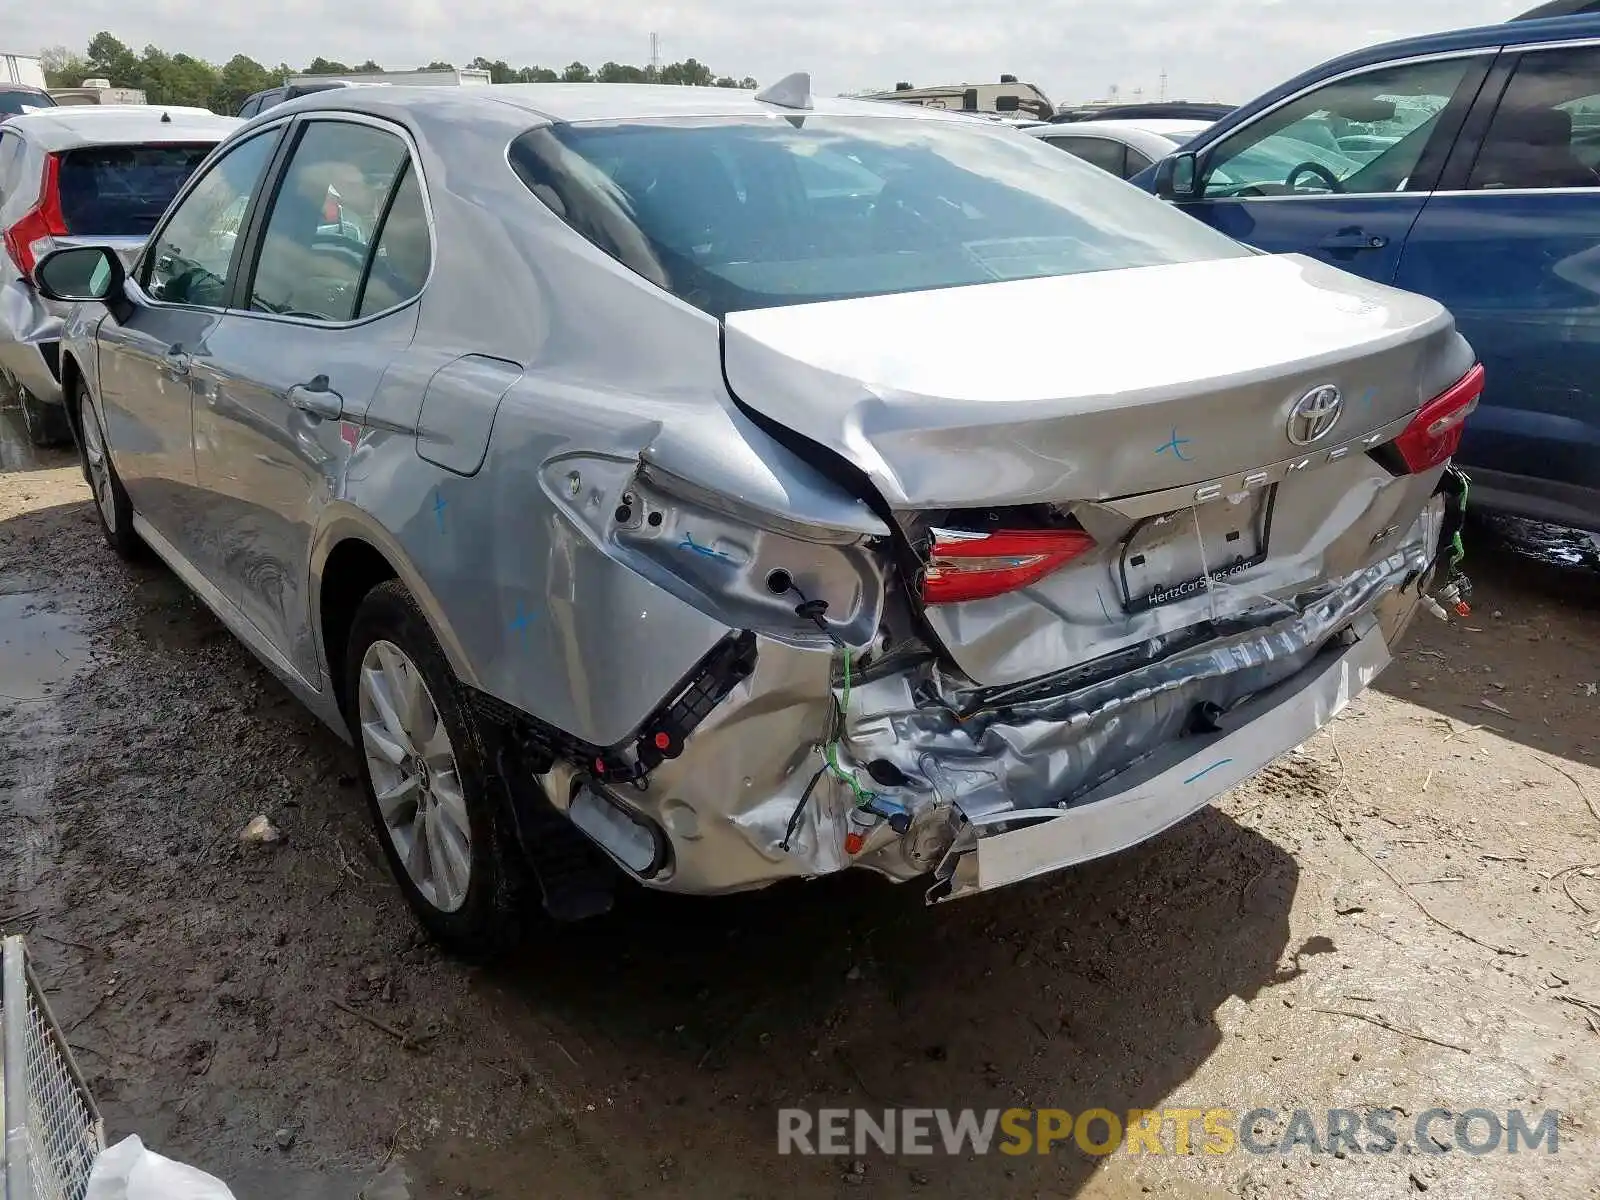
[(1315, 414)]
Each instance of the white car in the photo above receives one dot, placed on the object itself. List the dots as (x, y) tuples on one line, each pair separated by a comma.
[(1123, 147)]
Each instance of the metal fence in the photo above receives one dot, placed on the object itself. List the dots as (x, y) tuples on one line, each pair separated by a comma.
[(53, 1131)]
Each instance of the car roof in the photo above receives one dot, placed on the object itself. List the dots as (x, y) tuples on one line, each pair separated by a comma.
[(1165, 126), (73, 125), (577, 102), (1153, 138)]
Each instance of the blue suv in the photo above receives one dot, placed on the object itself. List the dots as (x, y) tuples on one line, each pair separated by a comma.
[(1465, 166)]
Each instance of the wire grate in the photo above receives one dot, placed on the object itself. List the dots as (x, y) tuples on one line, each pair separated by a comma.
[(53, 1131)]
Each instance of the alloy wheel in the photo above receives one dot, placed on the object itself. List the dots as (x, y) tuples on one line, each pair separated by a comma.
[(415, 779)]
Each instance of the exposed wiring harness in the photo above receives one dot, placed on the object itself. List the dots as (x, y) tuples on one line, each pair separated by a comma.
[(816, 612)]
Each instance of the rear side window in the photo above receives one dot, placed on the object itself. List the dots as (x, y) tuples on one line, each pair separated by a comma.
[(1546, 132), (755, 212), (1102, 152), (250, 107), (403, 252), (322, 228), (122, 190)]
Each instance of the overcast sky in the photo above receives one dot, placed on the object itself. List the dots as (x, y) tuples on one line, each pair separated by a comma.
[(1074, 49)]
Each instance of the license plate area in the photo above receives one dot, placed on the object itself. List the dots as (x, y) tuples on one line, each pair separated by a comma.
[(1180, 554)]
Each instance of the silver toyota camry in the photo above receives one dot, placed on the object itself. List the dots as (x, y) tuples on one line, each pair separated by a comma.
[(715, 487)]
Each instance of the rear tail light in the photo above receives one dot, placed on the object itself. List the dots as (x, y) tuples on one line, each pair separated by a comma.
[(974, 566), (1435, 433), (32, 237)]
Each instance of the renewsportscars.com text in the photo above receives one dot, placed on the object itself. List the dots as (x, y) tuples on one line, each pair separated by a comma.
[(1099, 1131)]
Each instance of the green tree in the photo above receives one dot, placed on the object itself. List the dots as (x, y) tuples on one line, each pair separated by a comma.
[(689, 72), (113, 60), (63, 68), (438, 66), (577, 73), (618, 73), (240, 78), (326, 66)]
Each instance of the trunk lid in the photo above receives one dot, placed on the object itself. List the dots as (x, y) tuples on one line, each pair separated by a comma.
[(1083, 386), (1154, 408)]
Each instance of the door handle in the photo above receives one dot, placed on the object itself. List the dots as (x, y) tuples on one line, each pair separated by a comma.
[(177, 360), (1354, 239), (317, 399)]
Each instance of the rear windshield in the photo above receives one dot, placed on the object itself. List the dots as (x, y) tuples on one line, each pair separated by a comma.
[(733, 214), (14, 103), (122, 190)]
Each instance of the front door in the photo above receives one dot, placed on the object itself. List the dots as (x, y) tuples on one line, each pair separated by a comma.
[(328, 304), (1511, 245), (1341, 171), (151, 359)]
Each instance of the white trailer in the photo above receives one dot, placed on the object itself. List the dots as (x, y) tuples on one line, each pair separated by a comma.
[(21, 68), (463, 77)]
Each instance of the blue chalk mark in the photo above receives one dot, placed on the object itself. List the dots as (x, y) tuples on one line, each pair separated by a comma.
[(689, 543), (439, 505), (520, 623), (1176, 445), (1368, 396), (1221, 762)]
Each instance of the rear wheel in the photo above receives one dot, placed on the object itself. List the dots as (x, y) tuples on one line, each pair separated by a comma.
[(46, 424), (444, 831), (111, 502)]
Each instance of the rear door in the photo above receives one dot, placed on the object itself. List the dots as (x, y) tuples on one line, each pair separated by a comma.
[(1511, 244), (339, 259), (152, 353), (1340, 171)]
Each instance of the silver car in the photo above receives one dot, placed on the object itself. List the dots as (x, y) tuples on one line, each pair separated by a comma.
[(639, 478), (1124, 146), (68, 176)]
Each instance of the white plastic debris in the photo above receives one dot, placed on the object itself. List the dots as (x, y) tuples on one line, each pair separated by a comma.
[(129, 1171), (259, 831)]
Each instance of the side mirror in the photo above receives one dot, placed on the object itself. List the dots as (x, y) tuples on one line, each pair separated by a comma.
[(81, 273), (1178, 177)]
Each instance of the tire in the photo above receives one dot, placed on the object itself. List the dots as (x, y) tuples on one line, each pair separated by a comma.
[(390, 645), (111, 503), (46, 423)]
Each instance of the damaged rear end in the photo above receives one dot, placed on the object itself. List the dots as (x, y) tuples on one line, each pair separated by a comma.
[(1061, 581), (1081, 596)]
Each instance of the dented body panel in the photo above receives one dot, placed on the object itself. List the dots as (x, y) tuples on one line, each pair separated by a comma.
[(679, 557)]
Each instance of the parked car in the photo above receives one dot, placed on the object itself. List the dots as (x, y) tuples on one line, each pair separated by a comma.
[(656, 477), (1155, 110), (259, 102), (68, 175), (1462, 166), (1124, 148), (18, 98)]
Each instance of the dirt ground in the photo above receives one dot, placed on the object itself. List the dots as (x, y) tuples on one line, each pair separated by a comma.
[(1390, 917)]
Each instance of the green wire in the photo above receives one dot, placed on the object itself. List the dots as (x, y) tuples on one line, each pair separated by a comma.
[(862, 798)]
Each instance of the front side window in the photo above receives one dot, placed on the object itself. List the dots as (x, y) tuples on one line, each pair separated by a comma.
[(1546, 132), (188, 262), (756, 212), (1361, 135), (319, 232)]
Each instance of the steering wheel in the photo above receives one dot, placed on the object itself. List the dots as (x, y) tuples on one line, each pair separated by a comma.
[(1292, 182)]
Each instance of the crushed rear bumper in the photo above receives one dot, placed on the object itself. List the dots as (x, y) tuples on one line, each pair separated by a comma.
[(979, 788)]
